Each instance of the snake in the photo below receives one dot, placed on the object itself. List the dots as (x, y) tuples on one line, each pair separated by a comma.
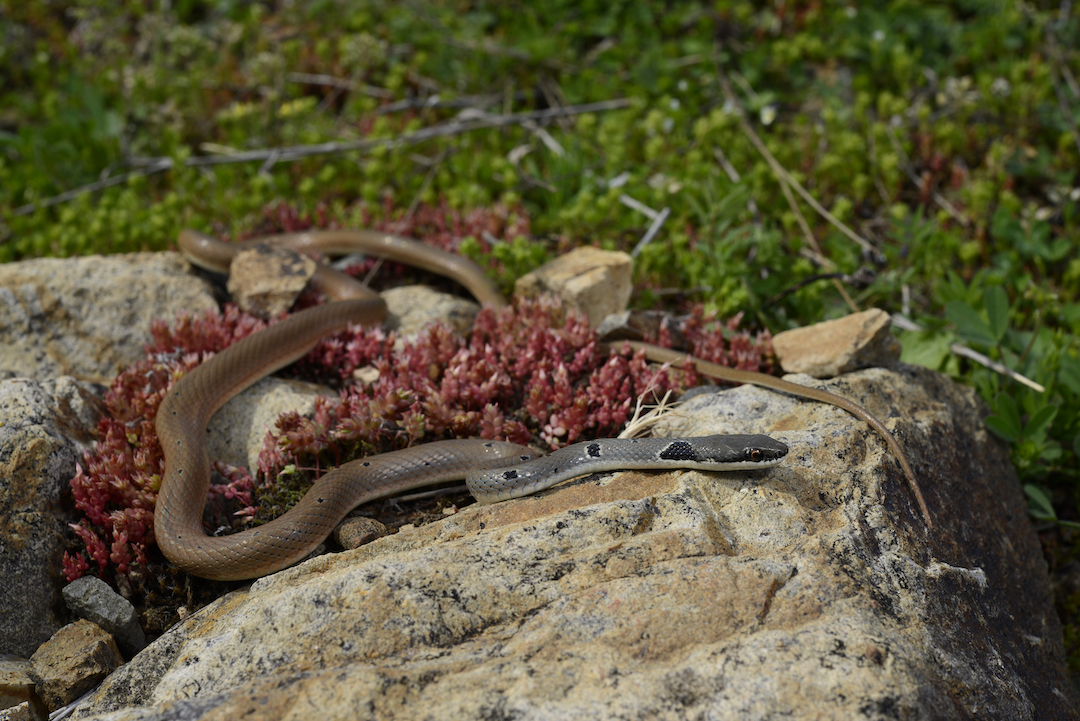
[(493, 470)]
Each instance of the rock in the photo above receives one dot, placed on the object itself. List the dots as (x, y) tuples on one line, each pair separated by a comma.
[(91, 598), (72, 662), (24, 712), (413, 307), (16, 686), (265, 280), (356, 531), (827, 349), (641, 325), (236, 432), (44, 427), (89, 317), (808, 590), (367, 375), (593, 281)]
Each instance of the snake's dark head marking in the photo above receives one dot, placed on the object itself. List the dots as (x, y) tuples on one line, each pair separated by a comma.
[(745, 451), (763, 449)]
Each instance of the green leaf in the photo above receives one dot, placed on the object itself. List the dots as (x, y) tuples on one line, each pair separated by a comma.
[(1006, 228), (1006, 421), (1036, 241), (1058, 249), (1002, 429), (927, 348), (969, 323), (1071, 312), (1040, 420), (1051, 452), (997, 310), (954, 286), (1040, 503), (1069, 373)]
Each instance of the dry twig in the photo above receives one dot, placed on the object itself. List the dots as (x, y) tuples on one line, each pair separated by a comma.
[(783, 174), (787, 182), (150, 166), (962, 350), (639, 423), (909, 169)]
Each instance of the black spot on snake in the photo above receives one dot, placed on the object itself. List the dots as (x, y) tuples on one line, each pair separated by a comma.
[(593, 449), (510, 475), (678, 451)]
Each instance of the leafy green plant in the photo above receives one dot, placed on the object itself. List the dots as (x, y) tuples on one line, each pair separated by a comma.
[(1022, 416), (80, 139), (1042, 508)]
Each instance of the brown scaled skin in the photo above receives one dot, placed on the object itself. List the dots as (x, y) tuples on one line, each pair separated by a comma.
[(183, 416)]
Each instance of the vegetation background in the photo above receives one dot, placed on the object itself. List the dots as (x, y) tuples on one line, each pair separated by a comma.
[(788, 159)]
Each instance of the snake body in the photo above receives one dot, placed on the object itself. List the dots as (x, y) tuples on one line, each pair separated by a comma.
[(183, 416), (285, 540), (706, 453)]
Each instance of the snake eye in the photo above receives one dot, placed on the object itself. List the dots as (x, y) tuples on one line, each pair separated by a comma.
[(755, 454)]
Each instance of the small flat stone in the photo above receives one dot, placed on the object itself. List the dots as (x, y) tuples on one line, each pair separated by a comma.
[(828, 349), (265, 279), (72, 662), (641, 325), (358, 530), (412, 307), (91, 598), (16, 686), (593, 281)]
